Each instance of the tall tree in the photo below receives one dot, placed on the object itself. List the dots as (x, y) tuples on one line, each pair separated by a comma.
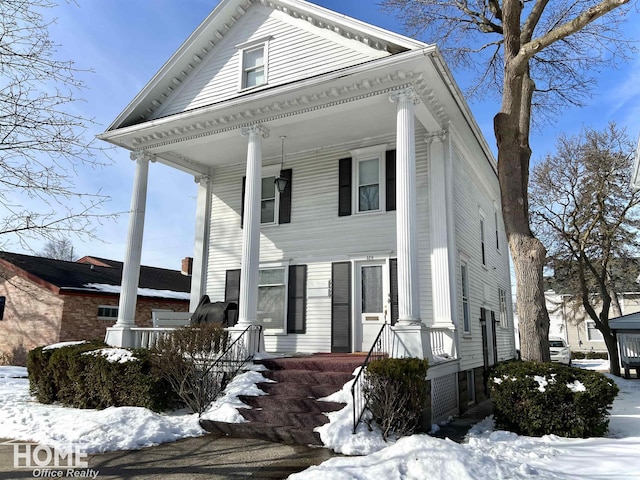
[(60, 249), (587, 214), (43, 141), (532, 53)]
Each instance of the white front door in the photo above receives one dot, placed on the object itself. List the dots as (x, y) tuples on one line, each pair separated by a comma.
[(372, 301)]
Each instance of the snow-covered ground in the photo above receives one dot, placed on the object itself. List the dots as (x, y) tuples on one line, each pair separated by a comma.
[(488, 454)]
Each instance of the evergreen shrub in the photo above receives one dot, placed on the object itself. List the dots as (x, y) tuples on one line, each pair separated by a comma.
[(78, 376), (535, 399), (397, 390)]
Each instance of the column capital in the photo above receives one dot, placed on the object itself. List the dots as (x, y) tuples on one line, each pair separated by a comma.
[(201, 179), (404, 94), (439, 136), (142, 155), (256, 129)]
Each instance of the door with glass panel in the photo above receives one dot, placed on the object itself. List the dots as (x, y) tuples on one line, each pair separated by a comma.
[(372, 283)]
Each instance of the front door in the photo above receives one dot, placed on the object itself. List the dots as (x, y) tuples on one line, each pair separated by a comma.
[(372, 283)]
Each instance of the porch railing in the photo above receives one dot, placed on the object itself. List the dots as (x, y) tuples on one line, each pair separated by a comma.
[(380, 349), (147, 337), (442, 342)]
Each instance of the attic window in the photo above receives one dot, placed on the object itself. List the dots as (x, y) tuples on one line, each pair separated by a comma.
[(253, 63)]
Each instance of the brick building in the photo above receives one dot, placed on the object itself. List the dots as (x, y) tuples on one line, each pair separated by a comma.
[(44, 301)]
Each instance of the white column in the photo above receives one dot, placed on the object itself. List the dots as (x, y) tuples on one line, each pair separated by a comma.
[(412, 338), (406, 216), (201, 243), (120, 334), (439, 231), (250, 260)]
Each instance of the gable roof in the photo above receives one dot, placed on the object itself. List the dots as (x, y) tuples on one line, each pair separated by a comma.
[(202, 42), (99, 276)]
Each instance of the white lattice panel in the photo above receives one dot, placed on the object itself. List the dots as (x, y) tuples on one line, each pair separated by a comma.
[(444, 397)]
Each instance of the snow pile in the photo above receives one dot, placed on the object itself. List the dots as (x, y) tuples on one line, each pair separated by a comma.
[(113, 355)]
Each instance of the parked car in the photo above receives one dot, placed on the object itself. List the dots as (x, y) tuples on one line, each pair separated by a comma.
[(560, 351)]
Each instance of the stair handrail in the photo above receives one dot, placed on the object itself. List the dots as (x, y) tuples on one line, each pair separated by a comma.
[(378, 350), (231, 355)]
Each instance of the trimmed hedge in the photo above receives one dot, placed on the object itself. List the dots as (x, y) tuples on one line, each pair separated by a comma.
[(76, 378), (397, 390), (535, 399), (589, 355)]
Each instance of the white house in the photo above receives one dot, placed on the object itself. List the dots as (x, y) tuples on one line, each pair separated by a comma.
[(391, 210)]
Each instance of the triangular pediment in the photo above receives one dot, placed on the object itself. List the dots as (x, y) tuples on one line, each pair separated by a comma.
[(303, 41)]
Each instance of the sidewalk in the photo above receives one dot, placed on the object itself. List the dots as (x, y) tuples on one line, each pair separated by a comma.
[(219, 457)]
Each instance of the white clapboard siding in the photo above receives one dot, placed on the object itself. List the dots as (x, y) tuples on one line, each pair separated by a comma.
[(316, 236), (472, 196), (296, 50)]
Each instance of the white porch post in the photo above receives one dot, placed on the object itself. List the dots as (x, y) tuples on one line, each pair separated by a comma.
[(250, 260), (201, 243), (120, 335), (411, 334)]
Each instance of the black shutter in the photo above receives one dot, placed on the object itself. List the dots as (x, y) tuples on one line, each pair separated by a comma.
[(3, 300), (390, 180), (284, 212), (244, 186), (297, 301), (341, 307), (232, 292), (493, 337), (393, 280), (344, 187)]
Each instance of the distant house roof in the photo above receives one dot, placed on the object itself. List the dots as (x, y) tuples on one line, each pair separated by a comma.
[(626, 322), (95, 274)]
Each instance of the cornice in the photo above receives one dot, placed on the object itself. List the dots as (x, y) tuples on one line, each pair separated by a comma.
[(296, 105)]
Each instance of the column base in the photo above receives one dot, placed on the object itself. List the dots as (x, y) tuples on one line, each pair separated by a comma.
[(120, 336), (412, 340)]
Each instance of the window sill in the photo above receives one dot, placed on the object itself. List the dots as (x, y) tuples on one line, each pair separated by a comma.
[(255, 87), (467, 336)]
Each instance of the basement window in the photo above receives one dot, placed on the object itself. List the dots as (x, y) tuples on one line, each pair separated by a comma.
[(107, 312)]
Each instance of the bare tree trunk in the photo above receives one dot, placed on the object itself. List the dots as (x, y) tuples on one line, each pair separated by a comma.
[(511, 127), (614, 357)]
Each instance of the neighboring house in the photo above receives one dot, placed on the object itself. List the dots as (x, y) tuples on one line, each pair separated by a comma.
[(567, 319), (44, 301), (391, 206)]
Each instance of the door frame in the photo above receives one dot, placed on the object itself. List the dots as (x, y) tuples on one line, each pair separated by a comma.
[(357, 333)]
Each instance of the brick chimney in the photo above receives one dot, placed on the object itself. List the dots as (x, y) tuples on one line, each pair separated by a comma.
[(187, 265)]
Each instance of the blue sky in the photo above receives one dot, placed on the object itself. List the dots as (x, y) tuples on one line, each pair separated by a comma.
[(126, 41)]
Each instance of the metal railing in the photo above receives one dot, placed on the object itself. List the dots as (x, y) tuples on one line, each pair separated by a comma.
[(380, 349), (240, 350)]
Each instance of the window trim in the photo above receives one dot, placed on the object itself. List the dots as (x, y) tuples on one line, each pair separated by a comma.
[(113, 308), (365, 154), (483, 242), (243, 48), (284, 266)]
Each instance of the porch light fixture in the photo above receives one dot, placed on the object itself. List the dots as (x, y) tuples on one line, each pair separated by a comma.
[(280, 181)]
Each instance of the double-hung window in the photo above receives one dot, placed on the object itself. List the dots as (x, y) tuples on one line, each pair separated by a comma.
[(369, 173), (593, 334), (502, 298), (483, 250), (253, 63)]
